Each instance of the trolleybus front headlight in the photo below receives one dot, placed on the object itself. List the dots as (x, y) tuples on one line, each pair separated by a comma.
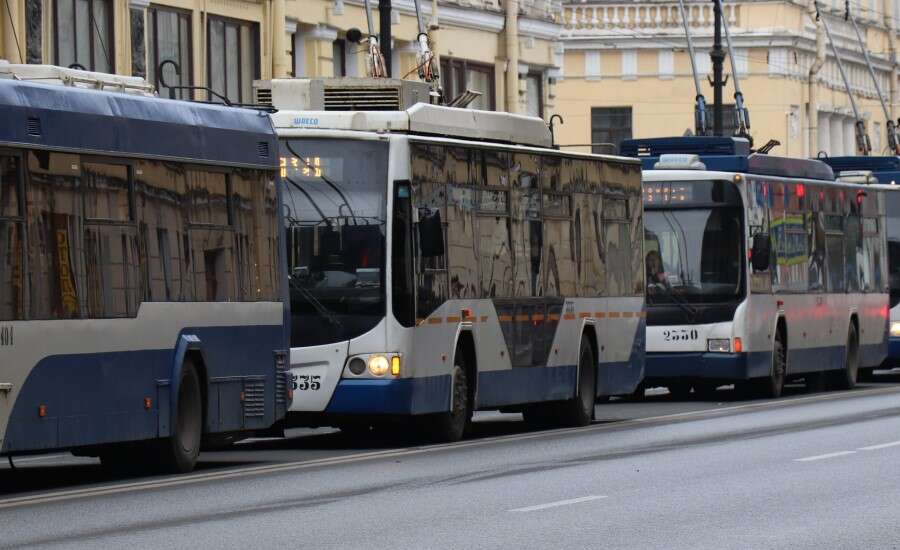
[(379, 365), (895, 328), (357, 366), (719, 345)]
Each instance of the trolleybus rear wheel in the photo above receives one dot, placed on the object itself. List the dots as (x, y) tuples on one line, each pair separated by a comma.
[(178, 453), (679, 390), (579, 411)]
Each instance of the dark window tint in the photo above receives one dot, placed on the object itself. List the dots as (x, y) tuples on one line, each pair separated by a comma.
[(55, 246), (169, 39), (83, 34), (459, 75), (12, 252), (233, 58), (609, 125)]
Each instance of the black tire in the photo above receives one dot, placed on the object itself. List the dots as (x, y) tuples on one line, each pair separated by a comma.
[(846, 378), (178, 453), (866, 375), (679, 390), (815, 382), (773, 385), (579, 411), (453, 425), (706, 390)]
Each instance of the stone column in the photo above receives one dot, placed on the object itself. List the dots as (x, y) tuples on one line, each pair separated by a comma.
[(279, 51), (12, 30), (319, 52)]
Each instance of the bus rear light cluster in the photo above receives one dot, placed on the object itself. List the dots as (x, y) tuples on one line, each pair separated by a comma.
[(719, 345)]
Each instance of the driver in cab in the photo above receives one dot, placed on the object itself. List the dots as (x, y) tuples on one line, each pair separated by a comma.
[(656, 275)]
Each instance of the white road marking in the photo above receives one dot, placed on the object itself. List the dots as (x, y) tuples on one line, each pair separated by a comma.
[(578, 500), (881, 446), (248, 471), (824, 456)]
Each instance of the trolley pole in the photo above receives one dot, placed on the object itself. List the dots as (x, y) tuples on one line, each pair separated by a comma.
[(717, 55), (384, 33)]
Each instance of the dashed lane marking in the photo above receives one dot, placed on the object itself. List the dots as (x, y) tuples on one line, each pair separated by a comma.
[(880, 446), (558, 503), (824, 456), (248, 471)]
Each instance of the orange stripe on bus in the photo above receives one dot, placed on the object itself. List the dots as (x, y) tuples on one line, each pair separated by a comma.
[(452, 319), (569, 316), (584, 315), (435, 320), (522, 318), (553, 317), (600, 314), (470, 319), (504, 318), (484, 318), (537, 317), (614, 314), (627, 314)]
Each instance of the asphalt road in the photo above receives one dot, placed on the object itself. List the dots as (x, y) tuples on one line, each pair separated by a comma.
[(804, 471)]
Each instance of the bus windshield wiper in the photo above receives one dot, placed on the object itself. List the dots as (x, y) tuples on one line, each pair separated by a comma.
[(679, 301), (316, 304)]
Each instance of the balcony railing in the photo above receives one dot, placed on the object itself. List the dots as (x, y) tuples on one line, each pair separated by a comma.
[(588, 18)]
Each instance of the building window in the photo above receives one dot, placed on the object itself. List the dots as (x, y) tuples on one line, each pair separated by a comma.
[(609, 125), (460, 75), (666, 64), (534, 95), (83, 34), (233, 58), (169, 39), (592, 67), (629, 64), (339, 57)]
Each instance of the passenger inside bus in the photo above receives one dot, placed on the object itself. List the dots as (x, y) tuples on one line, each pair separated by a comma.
[(656, 275)]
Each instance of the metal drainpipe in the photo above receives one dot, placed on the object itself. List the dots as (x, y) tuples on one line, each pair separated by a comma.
[(512, 56), (812, 112)]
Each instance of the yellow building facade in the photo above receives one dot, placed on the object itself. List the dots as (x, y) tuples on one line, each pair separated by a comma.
[(627, 72), (508, 51)]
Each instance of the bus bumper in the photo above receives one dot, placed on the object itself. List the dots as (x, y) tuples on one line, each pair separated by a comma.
[(401, 396), (894, 350), (698, 365)]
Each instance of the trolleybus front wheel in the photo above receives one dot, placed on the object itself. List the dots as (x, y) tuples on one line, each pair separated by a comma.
[(773, 385), (453, 425), (579, 411), (845, 379), (178, 453)]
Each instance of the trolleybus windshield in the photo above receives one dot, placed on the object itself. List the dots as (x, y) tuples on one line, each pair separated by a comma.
[(334, 212), (693, 251)]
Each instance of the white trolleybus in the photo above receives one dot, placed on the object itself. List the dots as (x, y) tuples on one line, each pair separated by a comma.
[(883, 173), (446, 260), (760, 269), (141, 313)]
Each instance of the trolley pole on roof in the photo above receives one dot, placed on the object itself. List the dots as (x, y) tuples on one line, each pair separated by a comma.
[(384, 32), (862, 139), (741, 114), (701, 119), (893, 142), (717, 56)]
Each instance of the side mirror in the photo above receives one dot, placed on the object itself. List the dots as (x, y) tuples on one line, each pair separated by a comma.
[(431, 233), (760, 252)]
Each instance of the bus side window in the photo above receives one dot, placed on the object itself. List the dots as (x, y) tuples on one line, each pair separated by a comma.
[(54, 217), (429, 197), (12, 253), (402, 281)]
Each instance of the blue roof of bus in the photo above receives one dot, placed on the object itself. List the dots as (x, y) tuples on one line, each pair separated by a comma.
[(725, 154), (885, 169), (64, 117)]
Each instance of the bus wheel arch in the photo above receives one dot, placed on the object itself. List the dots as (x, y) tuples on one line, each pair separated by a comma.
[(465, 345)]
